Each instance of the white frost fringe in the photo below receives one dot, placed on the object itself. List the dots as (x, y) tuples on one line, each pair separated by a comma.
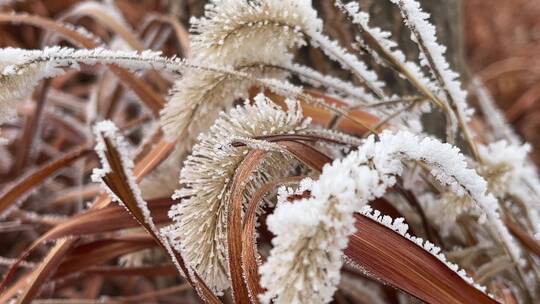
[(107, 129), (304, 265), (424, 34), (22, 69), (398, 226)]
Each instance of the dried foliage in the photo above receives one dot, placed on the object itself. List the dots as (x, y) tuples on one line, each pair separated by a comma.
[(502, 44), (224, 170)]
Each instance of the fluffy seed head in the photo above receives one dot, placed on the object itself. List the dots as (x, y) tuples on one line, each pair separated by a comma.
[(200, 227), (236, 29)]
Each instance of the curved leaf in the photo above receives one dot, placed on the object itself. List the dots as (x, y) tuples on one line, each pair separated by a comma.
[(393, 259), (234, 231)]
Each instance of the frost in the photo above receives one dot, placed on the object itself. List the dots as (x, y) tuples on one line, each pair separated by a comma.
[(108, 130), (383, 38), (349, 61), (239, 36), (313, 232), (509, 171), (335, 85), (236, 31), (407, 69), (22, 69), (249, 36), (200, 229), (241, 47), (493, 116), (432, 56), (398, 225)]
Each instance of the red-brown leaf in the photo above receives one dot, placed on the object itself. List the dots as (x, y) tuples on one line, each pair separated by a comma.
[(234, 232), (395, 260), (28, 182)]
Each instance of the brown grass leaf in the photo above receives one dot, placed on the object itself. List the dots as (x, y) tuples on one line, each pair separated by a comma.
[(234, 232), (527, 241), (308, 155), (181, 33), (249, 243), (93, 221), (76, 260), (108, 219), (39, 276), (147, 271), (147, 160), (381, 252), (393, 259), (98, 252), (19, 188), (242, 251), (116, 180), (31, 128), (100, 14), (325, 117), (84, 258)]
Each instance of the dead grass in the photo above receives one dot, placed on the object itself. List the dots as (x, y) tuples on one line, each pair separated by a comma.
[(45, 168)]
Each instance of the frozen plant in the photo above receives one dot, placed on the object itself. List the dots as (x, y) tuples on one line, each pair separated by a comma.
[(200, 231), (262, 178)]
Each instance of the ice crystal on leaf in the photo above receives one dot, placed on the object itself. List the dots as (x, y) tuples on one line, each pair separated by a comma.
[(400, 227), (509, 172), (204, 93), (503, 165), (388, 47), (235, 31), (238, 35), (305, 262), (107, 129), (200, 229), (240, 47), (432, 55), (22, 69), (256, 37)]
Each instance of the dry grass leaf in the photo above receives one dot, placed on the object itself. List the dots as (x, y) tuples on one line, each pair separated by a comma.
[(98, 252), (366, 125), (108, 219), (250, 263), (119, 179), (107, 16), (325, 117), (181, 34), (12, 194), (234, 236), (399, 262), (529, 242), (40, 275)]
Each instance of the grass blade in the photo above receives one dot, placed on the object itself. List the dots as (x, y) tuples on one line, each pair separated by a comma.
[(399, 262)]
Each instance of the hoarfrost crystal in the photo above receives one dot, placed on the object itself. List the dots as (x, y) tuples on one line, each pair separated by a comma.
[(200, 229)]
